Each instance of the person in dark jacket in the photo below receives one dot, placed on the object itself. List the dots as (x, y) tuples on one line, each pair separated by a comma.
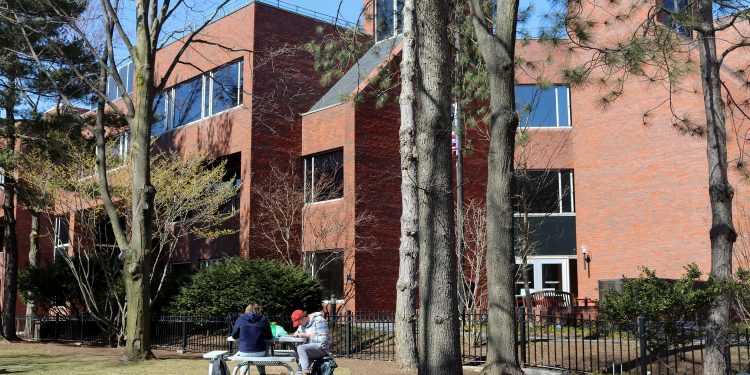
[(252, 329)]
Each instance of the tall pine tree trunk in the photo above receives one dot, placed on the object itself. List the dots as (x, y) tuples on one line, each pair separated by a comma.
[(33, 262), (138, 257), (10, 280), (406, 286), (722, 233), (439, 351), (498, 52)]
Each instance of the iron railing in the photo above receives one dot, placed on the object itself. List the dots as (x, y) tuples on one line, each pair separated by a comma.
[(566, 342)]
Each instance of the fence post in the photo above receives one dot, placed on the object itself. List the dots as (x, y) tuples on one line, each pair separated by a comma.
[(348, 333), (184, 334), (81, 329), (332, 306), (642, 345), (522, 322), (57, 321)]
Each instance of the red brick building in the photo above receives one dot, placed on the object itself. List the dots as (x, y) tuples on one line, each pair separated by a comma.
[(616, 190)]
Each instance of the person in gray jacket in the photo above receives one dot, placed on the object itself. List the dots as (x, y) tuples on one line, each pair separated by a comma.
[(314, 328)]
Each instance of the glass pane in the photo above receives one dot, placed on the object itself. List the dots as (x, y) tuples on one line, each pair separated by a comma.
[(62, 229), (225, 88), (328, 267), (329, 176), (159, 125), (308, 179), (187, 102), (562, 105), (519, 288), (567, 191), (384, 19), (552, 276), (112, 92), (131, 77), (535, 107), (537, 192)]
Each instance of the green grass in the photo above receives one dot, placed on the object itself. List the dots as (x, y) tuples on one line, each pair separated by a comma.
[(46, 359)]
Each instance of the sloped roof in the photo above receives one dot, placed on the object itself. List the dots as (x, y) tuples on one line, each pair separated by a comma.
[(359, 72)]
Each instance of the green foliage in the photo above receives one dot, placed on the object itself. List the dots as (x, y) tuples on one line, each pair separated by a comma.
[(229, 286), (49, 285), (666, 304), (336, 52)]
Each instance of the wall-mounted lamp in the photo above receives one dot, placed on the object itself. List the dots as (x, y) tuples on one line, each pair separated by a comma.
[(349, 278), (586, 256)]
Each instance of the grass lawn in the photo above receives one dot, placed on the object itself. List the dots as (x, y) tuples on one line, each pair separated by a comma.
[(59, 359)]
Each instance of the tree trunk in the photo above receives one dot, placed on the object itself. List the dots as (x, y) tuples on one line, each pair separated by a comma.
[(406, 286), (498, 52), (722, 233), (10, 280), (439, 350), (33, 262), (138, 257)]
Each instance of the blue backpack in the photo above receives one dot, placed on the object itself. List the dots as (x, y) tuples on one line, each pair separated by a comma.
[(324, 366)]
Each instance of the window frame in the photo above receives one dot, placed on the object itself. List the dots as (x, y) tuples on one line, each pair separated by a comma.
[(311, 198), (126, 78), (59, 247), (556, 87), (560, 194)]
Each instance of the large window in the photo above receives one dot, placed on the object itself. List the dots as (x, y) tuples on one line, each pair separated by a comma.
[(675, 7), (200, 97), (328, 267), (388, 18), (62, 236), (543, 107), (324, 176), (544, 192), (127, 75)]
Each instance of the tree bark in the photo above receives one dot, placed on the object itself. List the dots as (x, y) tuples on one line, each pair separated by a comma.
[(439, 351), (498, 52), (33, 262), (406, 286), (138, 257), (722, 232), (10, 279)]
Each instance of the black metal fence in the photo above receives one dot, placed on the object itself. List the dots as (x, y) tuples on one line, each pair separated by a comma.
[(563, 341)]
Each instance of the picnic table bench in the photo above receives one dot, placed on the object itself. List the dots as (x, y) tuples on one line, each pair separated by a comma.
[(282, 361), (278, 357)]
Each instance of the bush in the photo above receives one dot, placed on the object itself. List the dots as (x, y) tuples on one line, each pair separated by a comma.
[(49, 285), (670, 307), (227, 287)]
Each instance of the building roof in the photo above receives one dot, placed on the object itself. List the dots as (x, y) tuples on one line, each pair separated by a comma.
[(358, 73)]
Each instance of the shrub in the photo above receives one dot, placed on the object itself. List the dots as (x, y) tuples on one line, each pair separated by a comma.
[(227, 287), (670, 307), (49, 285)]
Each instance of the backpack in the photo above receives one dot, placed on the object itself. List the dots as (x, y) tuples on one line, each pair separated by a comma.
[(218, 366), (324, 366)]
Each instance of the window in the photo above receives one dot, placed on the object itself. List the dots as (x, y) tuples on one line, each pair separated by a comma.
[(127, 75), (552, 276), (104, 234), (188, 100), (200, 97), (324, 176), (674, 6), (160, 123), (62, 236), (543, 108), (519, 288), (388, 18), (209, 262), (225, 88), (120, 149), (328, 267), (232, 177), (544, 192)]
